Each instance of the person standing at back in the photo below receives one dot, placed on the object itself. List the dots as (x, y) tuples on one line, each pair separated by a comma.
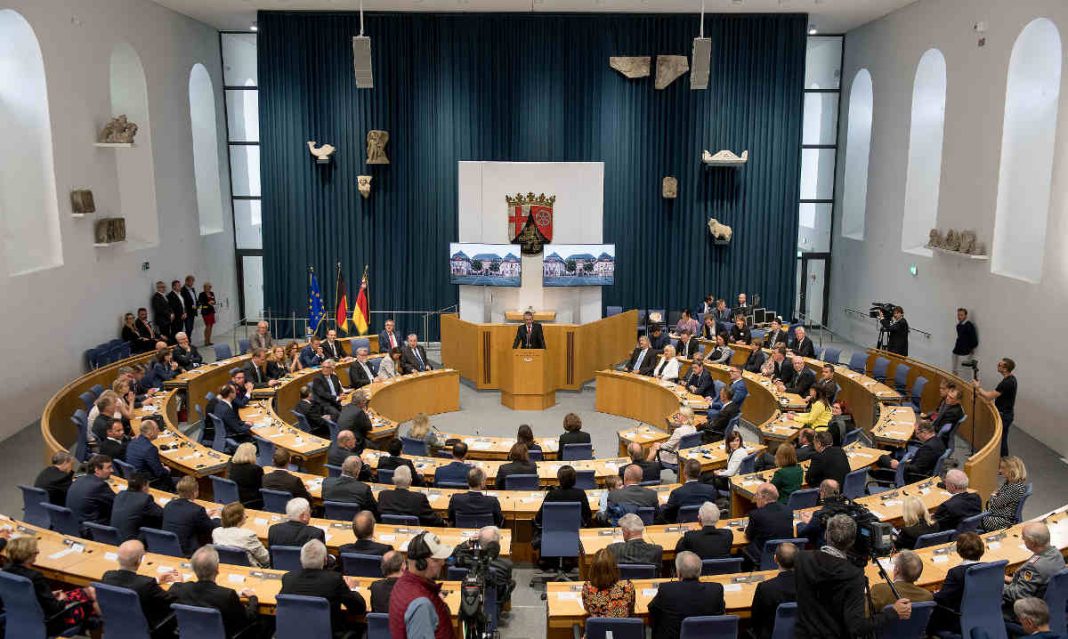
[(967, 340), (1004, 397)]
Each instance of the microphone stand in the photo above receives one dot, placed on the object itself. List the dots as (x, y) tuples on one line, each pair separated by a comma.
[(975, 400)]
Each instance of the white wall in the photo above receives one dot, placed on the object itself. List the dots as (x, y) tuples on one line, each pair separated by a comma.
[(49, 317), (577, 219), (1013, 316)]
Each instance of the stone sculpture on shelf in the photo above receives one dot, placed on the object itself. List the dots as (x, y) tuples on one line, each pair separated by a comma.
[(321, 154), (721, 233), (669, 68), (363, 185), (724, 157), (81, 201), (109, 230), (669, 188), (934, 238), (952, 242), (118, 131), (967, 242), (631, 66), (964, 242), (376, 147)]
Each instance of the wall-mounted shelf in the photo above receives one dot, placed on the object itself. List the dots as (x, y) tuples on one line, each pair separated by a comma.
[(79, 216), (106, 244), (114, 145), (965, 256)]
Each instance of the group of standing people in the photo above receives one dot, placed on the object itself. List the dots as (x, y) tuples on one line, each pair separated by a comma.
[(173, 312)]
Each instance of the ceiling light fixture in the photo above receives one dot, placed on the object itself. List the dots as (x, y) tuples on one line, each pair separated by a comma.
[(812, 29), (254, 27)]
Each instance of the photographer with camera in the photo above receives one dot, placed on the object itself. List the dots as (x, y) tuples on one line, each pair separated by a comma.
[(897, 330), (481, 556), (416, 608), (1004, 397)]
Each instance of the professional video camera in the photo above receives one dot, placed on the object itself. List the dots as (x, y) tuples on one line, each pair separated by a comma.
[(886, 307), (476, 559), (873, 536)]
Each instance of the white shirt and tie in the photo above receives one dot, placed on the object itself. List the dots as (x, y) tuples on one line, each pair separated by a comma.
[(392, 338), (638, 362), (366, 371)]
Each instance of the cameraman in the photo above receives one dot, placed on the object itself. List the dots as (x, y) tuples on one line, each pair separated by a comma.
[(897, 331), (830, 589), (498, 570), (1004, 396)]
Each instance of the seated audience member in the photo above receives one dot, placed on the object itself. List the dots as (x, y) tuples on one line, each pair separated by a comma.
[(698, 380), (499, 575), (243, 471), (360, 373), (312, 354), (950, 416), (566, 492), (691, 493), (708, 541), (770, 593), (1003, 503), (381, 589), (841, 423), (256, 370), (232, 533), (708, 328), (687, 346), (185, 354), (91, 498), (327, 390), (115, 443), (830, 589), (262, 338), (961, 505), (812, 524), (573, 433), (643, 359), (394, 460), (650, 469), (658, 339), (722, 315), (769, 520), (314, 580), (164, 368), (277, 364), (667, 452), (776, 335), (236, 429), (687, 597), (401, 501), (756, 361), (518, 464), (604, 594), (778, 368), (740, 333), (720, 352), (923, 461), (455, 471), (736, 452), (142, 454), (1033, 614), (363, 526), (134, 509), (354, 419), (630, 497), (282, 479), (106, 412), (802, 379), (819, 413), (633, 549), (155, 602), (789, 476), (907, 568), (389, 366), (347, 488), (420, 430), (242, 388), (475, 502), (715, 428), (739, 391), (525, 435), (413, 356), (946, 615), (667, 368), (344, 446), (313, 412), (802, 345), (56, 478), (293, 351), (806, 449), (63, 609), (1031, 578), (332, 348), (188, 519), (915, 521), (295, 531), (686, 322), (138, 333), (205, 593), (829, 462)]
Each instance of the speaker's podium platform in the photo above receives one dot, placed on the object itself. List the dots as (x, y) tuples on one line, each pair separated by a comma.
[(527, 382)]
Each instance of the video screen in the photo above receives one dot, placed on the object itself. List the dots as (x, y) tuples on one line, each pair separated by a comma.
[(579, 265), (484, 264)]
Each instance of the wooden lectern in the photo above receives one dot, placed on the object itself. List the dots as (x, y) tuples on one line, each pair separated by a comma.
[(527, 382)]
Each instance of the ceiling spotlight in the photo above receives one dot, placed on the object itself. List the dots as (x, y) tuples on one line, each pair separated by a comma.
[(254, 27), (812, 29)]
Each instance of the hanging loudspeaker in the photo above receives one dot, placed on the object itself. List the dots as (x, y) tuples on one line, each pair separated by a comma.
[(700, 63), (361, 62)]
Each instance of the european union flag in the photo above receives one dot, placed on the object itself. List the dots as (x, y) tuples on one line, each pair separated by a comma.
[(315, 303)]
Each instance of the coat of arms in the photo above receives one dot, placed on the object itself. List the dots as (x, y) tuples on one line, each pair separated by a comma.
[(530, 221)]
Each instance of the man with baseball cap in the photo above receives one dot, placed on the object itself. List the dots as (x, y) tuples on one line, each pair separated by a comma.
[(416, 609)]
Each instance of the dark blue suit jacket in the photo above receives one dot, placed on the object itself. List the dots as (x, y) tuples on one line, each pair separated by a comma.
[(309, 358), (144, 456), (477, 505), (234, 426), (692, 493), (773, 521), (133, 511), (454, 471), (703, 382), (189, 521), (383, 341), (91, 499)]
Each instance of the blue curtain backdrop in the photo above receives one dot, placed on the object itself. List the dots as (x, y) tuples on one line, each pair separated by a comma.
[(538, 88)]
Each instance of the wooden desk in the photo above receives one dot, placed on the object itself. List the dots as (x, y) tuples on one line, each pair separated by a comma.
[(895, 426)]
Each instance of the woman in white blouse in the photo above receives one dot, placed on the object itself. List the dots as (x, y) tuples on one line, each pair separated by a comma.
[(667, 452), (736, 452), (389, 366), (667, 368), (232, 534)]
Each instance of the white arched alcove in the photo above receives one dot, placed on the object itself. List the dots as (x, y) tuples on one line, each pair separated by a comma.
[(1028, 133), (135, 167), (29, 208), (924, 172), (202, 119), (858, 150)]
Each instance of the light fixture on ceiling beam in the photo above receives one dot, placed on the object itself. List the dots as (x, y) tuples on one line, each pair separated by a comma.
[(254, 27), (812, 30), (361, 57), (701, 57)]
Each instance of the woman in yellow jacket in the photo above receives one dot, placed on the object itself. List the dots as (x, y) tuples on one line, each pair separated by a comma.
[(819, 413)]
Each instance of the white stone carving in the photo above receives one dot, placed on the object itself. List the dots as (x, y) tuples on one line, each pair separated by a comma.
[(669, 68), (724, 158), (631, 66), (321, 154)]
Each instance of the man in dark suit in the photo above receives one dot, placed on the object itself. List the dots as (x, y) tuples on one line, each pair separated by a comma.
[(174, 299), (188, 519), (755, 362), (281, 479), (256, 370), (633, 549), (312, 354), (106, 408), (803, 378), (770, 520), (687, 346), (946, 615), (740, 333), (295, 531), (90, 498), (692, 493), (650, 469), (643, 359), (360, 373), (803, 345), (950, 415), (155, 603), (829, 462), (363, 526), (134, 509), (114, 445), (332, 348), (342, 448), (313, 580), (770, 593), (782, 369), (715, 429), (687, 597), (143, 455), (327, 390), (346, 488), (189, 303), (413, 356), (457, 470), (961, 505), (632, 495), (698, 381), (831, 502), (56, 478), (205, 593), (707, 542), (394, 460), (354, 419), (388, 339), (313, 412), (475, 503), (236, 429), (392, 569), (162, 313), (529, 334), (776, 335), (923, 461), (401, 501), (806, 449), (897, 331)]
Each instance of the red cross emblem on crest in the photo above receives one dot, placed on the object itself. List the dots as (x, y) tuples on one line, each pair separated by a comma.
[(530, 220)]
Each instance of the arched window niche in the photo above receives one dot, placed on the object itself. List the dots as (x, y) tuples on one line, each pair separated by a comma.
[(203, 124), (134, 167), (924, 173), (858, 151)]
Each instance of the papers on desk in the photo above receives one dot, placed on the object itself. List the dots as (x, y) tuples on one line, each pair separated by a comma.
[(650, 592), (569, 596), (76, 548), (387, 538), (481, 445), (732, 587), (236, 579), (260, 521)]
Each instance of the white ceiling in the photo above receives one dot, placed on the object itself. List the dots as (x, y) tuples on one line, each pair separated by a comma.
[(829, 16)]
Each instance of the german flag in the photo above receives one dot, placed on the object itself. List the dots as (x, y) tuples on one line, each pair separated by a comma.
[(361, 312)]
